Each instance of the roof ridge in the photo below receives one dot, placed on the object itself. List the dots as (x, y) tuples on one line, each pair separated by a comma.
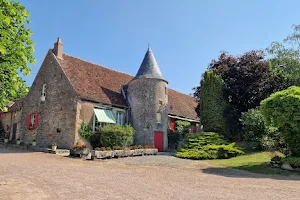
[(98, 65), (118, 71), (181, 93)]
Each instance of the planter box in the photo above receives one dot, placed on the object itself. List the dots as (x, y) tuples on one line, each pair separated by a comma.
[(122, 153), (119, 153), (139, 152), (102, 154), (151, 151), (128, 153)]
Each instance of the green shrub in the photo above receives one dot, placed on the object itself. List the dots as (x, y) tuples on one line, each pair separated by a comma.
[(174, 138), (114, 135), (254, 128), (86, 131), (182, 126), (207, 145), (282, 110), (95, 140)]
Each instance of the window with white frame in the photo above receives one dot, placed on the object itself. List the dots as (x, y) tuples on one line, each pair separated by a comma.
[(32, 120), (158, 117), (119, 118), (43, 93)]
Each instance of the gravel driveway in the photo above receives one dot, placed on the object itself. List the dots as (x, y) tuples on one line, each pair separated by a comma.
[(28, 175)]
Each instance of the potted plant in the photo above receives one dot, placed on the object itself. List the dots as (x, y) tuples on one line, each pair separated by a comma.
[(34, 142), (18, 141), (54, 146), (6, 138)]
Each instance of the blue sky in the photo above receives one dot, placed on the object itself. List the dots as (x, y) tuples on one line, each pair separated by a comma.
[(184, 35)]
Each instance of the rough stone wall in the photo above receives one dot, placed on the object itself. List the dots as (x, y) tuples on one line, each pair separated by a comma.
[(6, 120), (144, 96), (58, 110), (84, 114)]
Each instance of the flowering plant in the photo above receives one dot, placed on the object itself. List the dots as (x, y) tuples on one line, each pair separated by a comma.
[(79, 146)]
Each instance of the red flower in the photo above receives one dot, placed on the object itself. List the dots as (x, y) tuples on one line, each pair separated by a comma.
[(50, 135)]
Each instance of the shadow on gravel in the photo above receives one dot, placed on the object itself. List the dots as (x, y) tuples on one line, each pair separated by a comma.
[(252, 172)]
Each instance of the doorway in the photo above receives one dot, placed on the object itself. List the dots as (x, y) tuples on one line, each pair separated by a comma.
[(159, 140)]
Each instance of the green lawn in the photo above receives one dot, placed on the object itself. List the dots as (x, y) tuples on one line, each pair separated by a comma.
[(254, 162)]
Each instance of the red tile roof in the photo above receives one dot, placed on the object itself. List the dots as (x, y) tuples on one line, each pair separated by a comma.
[(104, 85)]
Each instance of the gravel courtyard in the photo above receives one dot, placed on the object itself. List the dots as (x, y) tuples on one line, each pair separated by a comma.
[(28, 175)]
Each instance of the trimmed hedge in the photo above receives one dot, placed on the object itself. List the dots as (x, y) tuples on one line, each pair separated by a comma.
[(114, 135), (207, 145)]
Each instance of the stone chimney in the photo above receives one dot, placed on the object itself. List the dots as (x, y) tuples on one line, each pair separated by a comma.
[(57, 50)]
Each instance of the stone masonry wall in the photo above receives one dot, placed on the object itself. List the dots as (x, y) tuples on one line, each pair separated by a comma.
[(10, 118), (144, 96), (57, 112)]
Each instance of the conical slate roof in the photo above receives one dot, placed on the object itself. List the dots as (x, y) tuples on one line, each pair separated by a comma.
[(149, 67)]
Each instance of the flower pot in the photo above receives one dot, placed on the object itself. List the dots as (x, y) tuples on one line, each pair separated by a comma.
[(34, 143), (18, 142), (6, 140), (54, 148)]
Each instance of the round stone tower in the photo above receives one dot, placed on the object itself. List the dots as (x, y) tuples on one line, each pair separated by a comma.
[(148, 100)]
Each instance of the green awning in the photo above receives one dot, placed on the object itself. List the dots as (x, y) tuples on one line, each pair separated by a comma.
[(104, 115)]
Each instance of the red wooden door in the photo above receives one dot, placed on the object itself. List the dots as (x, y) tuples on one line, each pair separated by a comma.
[(159, 140)]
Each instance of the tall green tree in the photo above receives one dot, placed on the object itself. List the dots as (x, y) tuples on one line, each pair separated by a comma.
[(248, 79), (212, 103), (285, 57), (16, 49)]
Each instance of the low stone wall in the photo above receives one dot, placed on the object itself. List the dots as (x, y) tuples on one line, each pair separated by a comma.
[(91, 154), (285, 166), (22, 147), (123, 153)]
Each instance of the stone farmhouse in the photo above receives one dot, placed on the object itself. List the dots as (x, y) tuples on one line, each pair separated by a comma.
[(69, 91)]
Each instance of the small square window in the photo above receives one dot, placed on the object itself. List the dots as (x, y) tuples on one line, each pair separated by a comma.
[(160, 102)]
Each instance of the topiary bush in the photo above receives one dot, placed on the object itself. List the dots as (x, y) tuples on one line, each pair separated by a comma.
[(254, 128), (207, 145), (114, 135), (282, 110)]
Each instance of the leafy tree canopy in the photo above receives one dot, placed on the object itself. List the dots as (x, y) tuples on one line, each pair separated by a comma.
[(282, 110), (16, 50), (248, 78), (285, 57)]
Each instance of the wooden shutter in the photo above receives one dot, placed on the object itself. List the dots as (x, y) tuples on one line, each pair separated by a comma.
[(36, 119), (28, 121)]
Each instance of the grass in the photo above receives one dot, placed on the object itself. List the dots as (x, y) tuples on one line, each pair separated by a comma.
[(257, 162)]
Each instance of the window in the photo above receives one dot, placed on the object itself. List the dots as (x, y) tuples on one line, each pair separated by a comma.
[(158, 117), (166, 91), (32, 121), (43, 94), (160, 102), (119, 118)]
